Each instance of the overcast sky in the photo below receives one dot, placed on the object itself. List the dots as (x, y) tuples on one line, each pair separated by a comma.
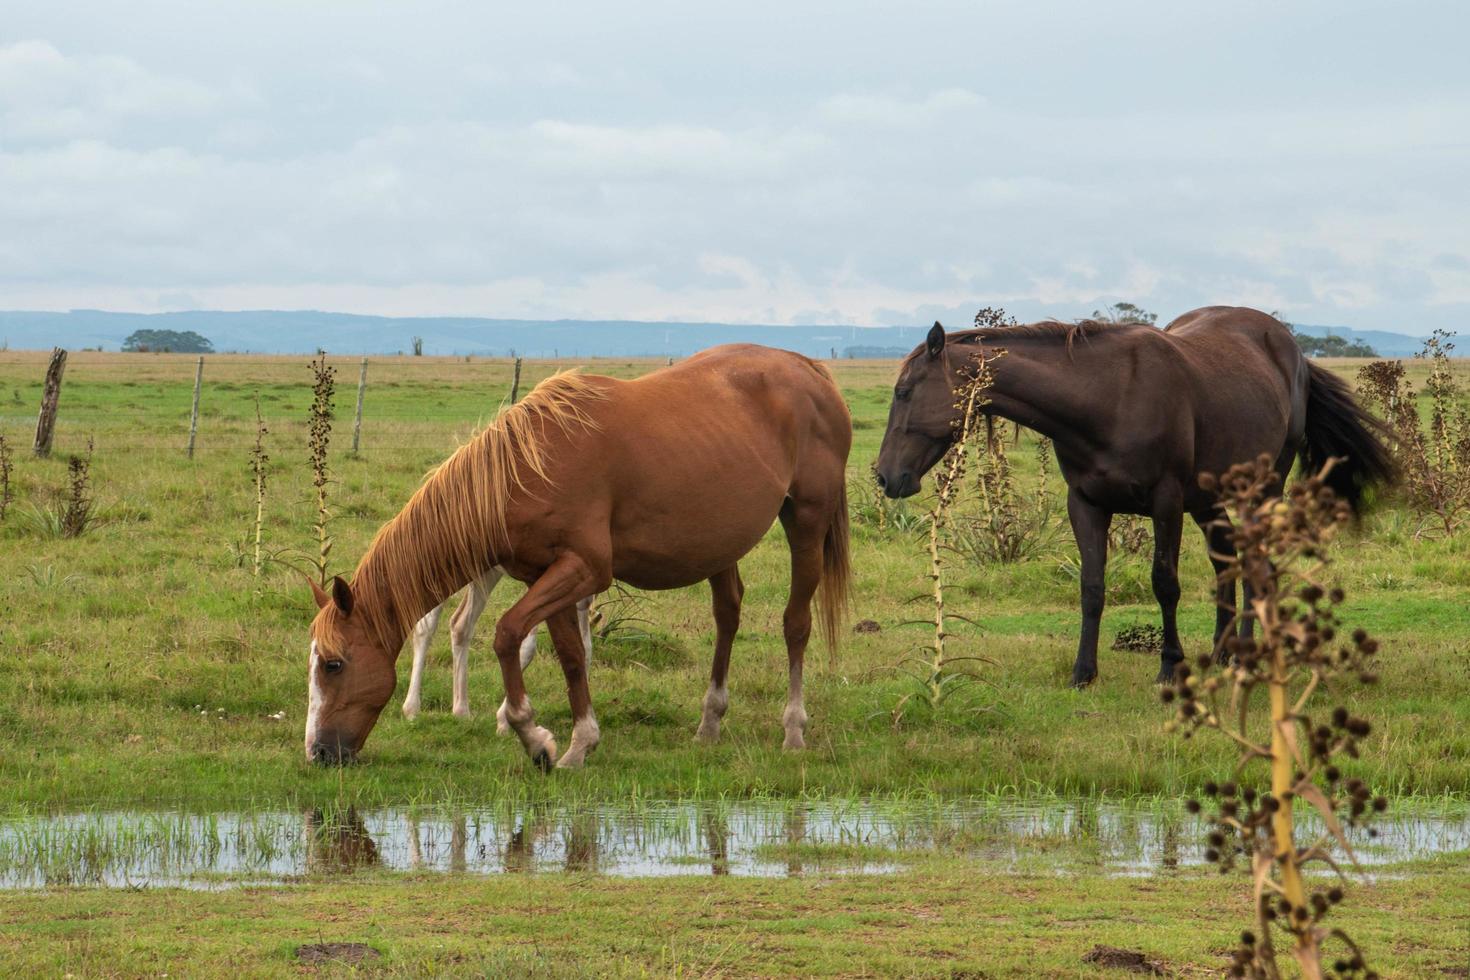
[(777, 162)]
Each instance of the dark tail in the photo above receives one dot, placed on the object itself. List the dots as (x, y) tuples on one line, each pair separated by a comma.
[(1337, 426), (833, 592)]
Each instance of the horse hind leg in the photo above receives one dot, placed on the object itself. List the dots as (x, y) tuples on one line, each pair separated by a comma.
[(726, 593), (806, 526)]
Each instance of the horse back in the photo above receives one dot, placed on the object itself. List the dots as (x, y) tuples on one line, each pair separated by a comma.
[(1250, 375)]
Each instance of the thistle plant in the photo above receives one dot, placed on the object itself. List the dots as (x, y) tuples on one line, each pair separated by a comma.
[(258, 462), (1281, 558), (77, 509), (320, 428), (6, 467)]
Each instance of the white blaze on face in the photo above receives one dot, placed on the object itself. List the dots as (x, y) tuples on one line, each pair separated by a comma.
[(313, 699)]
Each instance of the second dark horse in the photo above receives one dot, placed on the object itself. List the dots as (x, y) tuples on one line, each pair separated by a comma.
[(1136, 415)]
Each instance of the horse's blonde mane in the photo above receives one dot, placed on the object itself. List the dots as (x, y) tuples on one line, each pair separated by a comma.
[(453, 529)]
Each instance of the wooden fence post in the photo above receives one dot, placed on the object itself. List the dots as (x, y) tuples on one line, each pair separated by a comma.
[(194, 413), (357, 425), (46, 422), (515, 384)]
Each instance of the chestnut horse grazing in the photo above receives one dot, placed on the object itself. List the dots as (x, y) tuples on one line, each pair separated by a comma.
[(660, 482), (1136, 415)]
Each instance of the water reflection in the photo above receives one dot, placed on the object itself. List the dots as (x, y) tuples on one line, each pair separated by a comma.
[(716, 831), (339, 843), (650, 839)]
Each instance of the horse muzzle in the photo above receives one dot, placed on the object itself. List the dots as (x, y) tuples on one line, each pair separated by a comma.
[(331, 750), (896, 487)]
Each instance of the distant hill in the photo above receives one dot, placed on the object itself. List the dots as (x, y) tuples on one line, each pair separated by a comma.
[(298, 332), (303, 331), (1387, 344)]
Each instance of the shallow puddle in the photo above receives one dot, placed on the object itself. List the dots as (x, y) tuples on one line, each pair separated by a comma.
[(229, 849)]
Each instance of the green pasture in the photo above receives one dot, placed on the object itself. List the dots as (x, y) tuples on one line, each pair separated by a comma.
[(143, 667), (142, 664)]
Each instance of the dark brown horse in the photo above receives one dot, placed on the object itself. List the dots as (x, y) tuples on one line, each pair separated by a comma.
[(660, 482), (1136, 415)]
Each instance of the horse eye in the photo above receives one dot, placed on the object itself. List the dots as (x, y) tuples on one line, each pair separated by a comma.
[(333, 666), (902, 394)]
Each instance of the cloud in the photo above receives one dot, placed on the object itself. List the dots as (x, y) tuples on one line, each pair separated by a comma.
[(888, 111), (702, 166), (47, 96)]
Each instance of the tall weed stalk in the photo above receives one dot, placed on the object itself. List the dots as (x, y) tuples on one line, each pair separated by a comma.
[(7, 494), (319, 426), (941, 675), (1271, 682), (259, 460)]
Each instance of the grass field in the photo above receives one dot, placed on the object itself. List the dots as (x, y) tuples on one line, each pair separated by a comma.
[(141, 665)]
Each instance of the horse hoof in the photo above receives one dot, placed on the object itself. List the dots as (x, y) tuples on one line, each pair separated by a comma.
[(1083, 683), (543, 760)]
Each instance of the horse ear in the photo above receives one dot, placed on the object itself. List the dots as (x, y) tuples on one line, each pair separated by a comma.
[(934, 343), (342, 595), (316, 593)]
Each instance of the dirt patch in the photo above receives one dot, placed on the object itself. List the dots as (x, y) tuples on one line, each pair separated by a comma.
[(1122, 959), (867, 626), (336, 953)]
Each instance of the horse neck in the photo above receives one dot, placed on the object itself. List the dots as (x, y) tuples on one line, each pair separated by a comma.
[(417, 561), (1041, 383)]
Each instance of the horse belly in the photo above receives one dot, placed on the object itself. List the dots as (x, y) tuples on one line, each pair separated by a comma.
[(670, 548)]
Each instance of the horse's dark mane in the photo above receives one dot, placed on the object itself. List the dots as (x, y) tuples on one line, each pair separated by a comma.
[(1060, 330), (1043, 330)]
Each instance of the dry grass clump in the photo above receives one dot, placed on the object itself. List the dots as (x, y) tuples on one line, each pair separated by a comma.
[(1435, 458)]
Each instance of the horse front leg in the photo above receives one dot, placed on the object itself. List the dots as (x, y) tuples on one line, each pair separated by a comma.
[(567, 578), (805, 524), (462, 631), (528, 654), (1090, 528), (1168, 526), (423, 635), (566, 637)]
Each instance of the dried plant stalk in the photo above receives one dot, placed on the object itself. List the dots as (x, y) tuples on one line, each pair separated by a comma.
[(320, 428), (1280, 556), (970, 399), (258, 462), (6, 468)]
